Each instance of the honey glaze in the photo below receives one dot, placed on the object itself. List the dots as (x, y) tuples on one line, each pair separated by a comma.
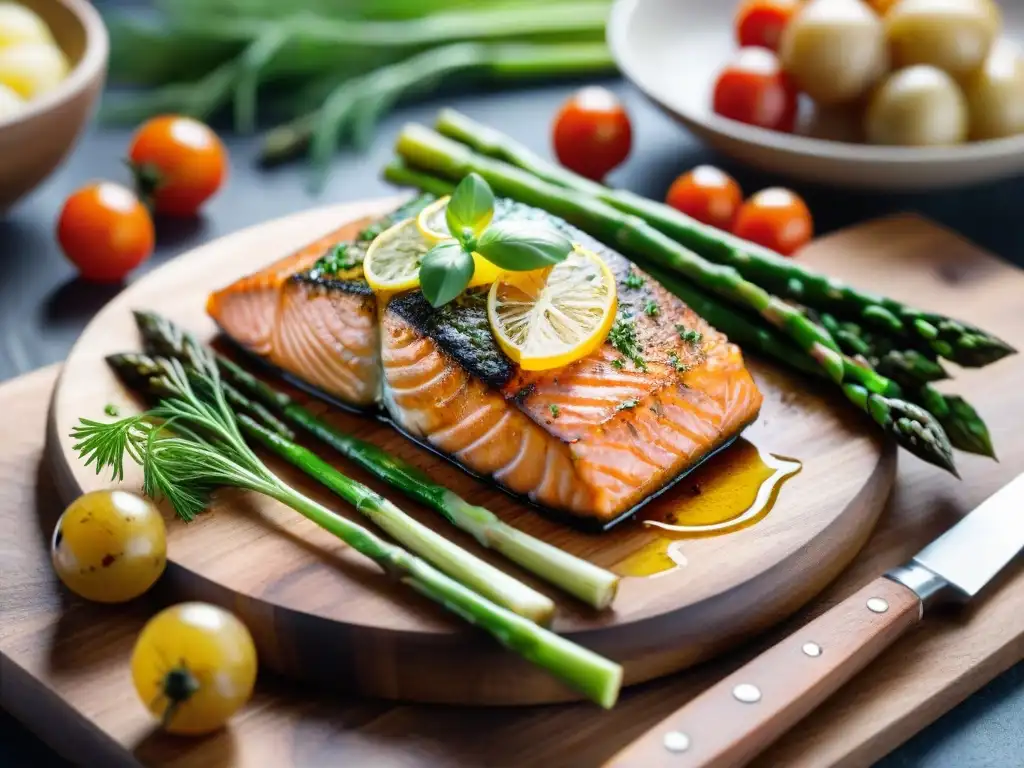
[(732, 490)]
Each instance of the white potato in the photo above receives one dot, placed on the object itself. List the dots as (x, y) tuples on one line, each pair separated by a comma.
[(32, 69), (995, 94), (18, 24), (10, 103), (834, 50), (953, 35), (917, 106)]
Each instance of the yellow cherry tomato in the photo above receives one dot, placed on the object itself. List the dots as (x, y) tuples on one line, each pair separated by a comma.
[(194, 666), (109, 546)]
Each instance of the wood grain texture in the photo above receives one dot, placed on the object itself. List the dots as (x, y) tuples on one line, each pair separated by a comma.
[(321, 612), (736, 719), (64, 664)]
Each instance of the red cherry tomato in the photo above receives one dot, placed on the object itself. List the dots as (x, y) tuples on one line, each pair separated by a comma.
[(753, 89), (592, 133), (105, 231), (775, 218), (760, 22), (178, 162), (708, 195)]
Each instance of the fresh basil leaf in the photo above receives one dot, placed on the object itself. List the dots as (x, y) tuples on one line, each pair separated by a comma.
[(470, 208), (445, 272), (522, 245)]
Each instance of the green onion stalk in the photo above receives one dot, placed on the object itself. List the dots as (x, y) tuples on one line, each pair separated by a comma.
[(786, 278), (880, 397), (190, 445), (584, 580)]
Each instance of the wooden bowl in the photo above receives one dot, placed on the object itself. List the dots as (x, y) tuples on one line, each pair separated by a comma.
[(673, 50), (34, 141)]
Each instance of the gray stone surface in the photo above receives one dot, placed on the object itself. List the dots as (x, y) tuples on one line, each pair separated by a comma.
[(43, 307)]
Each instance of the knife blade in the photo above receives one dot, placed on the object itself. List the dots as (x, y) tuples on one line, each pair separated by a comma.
[(736, 719)]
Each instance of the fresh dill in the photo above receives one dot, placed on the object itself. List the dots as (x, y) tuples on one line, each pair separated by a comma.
[(554, 410), (618, 363), (689, 335), (627, 405), (339, 258), (651, 308), (623, 337)]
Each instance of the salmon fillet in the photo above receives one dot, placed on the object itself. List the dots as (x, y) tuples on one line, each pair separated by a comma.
[(311, 313), (592, 439)]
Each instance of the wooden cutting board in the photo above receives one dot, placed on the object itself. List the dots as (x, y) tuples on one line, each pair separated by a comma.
[(63, 663), (320, 611)]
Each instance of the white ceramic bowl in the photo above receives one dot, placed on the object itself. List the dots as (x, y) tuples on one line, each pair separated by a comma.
[(673, 50)]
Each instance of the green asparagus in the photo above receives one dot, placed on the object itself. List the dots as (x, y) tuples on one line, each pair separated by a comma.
[(189, 447), (580, 578), (428, 150), (786, 278)]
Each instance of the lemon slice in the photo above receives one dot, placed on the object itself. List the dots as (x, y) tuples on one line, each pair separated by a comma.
[(392, 262), (432, 223), (548, 318), (393, 259)]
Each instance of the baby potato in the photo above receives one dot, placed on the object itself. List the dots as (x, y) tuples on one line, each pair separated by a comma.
[(18, 24), (917, 106), (995, 94), (32, 69), (953, 35), (10, 103), (834, 50)]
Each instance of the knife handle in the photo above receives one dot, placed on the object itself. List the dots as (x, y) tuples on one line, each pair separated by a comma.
[(735, 720)]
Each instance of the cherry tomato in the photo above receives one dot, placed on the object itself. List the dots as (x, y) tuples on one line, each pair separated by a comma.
[(109, 546), (179, 163), (775, 218), (760, 22), (753, 89), (105, 231), (592, 133), (194, 666), (708, 195)]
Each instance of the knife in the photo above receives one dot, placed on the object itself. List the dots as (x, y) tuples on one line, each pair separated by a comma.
[(734, 721)]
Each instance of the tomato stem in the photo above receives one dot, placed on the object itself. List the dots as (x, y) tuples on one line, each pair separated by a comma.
[(179, 685)]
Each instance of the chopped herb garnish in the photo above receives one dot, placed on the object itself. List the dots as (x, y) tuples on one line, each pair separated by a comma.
[(339, 258), (523, 393), (627, 405), (633, 280), (554, 410), (111, 410), (651, 308), (622, 336), (689, 335), (618, 363), (680, 366)]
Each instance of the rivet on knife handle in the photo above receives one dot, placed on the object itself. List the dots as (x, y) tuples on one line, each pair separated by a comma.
[(730, 723)]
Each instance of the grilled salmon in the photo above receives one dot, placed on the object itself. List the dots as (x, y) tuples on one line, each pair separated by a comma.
[(312, 314), (592, 439)]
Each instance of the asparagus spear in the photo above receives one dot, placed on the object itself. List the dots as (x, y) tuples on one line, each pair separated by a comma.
[(580, 578), (428, 150), (189, 447), (148, 376), (951, 339)]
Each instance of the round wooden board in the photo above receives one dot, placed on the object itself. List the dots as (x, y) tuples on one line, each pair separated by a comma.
[(321, 612)]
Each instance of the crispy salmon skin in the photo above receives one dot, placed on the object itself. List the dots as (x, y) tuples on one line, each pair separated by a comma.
[(592, 439)]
